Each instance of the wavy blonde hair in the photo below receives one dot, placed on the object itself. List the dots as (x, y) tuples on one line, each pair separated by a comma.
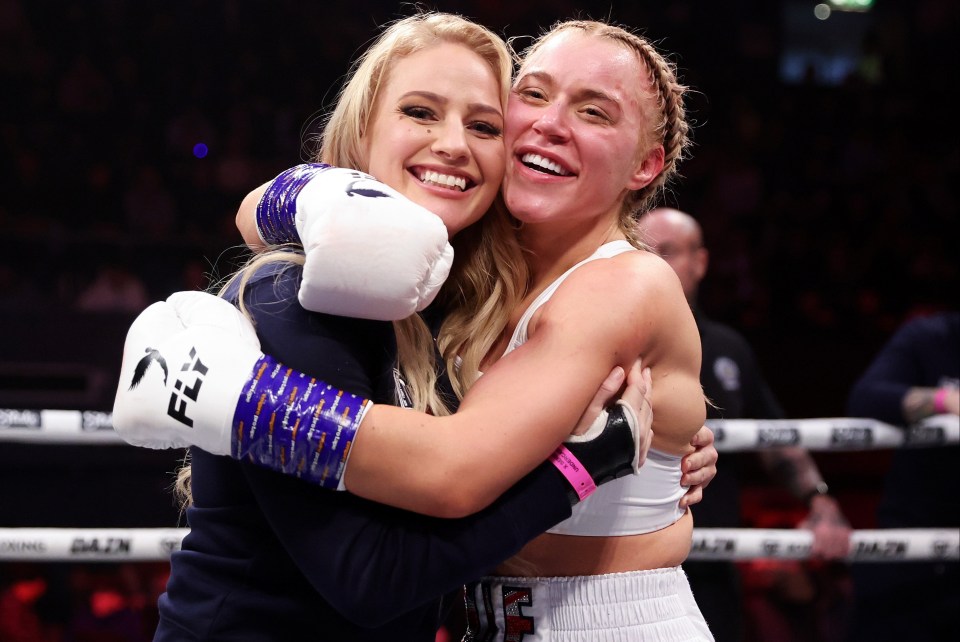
[(493, 280), (341, 144)]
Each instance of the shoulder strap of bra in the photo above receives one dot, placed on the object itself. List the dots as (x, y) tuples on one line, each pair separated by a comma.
[(605, 251)]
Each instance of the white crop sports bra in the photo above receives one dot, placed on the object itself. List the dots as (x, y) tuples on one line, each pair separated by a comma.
[(631, 505)]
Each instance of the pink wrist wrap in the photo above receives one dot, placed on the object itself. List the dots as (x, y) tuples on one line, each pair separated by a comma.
[(574, 471), (940, 401)]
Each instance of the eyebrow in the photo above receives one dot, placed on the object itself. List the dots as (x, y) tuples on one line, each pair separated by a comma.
[(443, 100)]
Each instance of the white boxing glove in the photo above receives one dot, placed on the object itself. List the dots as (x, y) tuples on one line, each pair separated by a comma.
[(193, 375), (370, 252), (185, 363)]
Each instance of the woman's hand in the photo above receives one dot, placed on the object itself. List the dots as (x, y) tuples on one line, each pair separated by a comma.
[(699, 467), (636, 394)]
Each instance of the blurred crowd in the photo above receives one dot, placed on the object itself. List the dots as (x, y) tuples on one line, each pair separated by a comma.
[(131, 130)]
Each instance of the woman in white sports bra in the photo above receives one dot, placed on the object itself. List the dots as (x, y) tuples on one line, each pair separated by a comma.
[(595, 126)]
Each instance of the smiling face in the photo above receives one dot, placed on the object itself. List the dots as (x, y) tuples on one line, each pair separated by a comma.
[(435, 133), (578, 130)]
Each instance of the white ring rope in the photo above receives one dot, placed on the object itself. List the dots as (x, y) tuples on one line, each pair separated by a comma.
[(838, 433), (156, 544), (57, 426), (833, 433), (882, 545), (89, 544)]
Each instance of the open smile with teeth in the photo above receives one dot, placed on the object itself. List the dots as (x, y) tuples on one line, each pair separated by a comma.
[(442, 180), (541, 164)]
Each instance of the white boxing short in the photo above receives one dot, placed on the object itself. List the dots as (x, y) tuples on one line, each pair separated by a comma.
[(654, 605)]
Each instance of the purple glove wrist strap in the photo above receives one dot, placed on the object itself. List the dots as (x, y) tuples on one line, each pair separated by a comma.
[(277, 209), (295, 424)]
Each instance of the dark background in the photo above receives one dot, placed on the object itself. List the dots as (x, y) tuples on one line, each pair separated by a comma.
[(825, 174)]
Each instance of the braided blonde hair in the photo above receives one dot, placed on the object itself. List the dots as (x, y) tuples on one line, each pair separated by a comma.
[(493, 280), (670, 127)]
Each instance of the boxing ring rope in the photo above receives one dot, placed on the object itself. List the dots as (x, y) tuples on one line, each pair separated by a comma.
[(73, 427), (833, 433), (156, 544), (80, 427)]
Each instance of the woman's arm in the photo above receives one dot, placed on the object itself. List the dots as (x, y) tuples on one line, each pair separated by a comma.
[(901, 383), (194, 374), (524, 405), (374, 563), (246, 219)]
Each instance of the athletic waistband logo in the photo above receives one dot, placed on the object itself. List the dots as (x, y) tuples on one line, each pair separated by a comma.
[(481, 625), (517, 624)]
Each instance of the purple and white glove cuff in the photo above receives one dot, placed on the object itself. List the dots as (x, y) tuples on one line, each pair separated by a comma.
[(295, 424), (277, 209)]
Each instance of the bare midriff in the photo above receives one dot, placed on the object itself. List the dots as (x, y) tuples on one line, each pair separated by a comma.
[(564, 555)]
